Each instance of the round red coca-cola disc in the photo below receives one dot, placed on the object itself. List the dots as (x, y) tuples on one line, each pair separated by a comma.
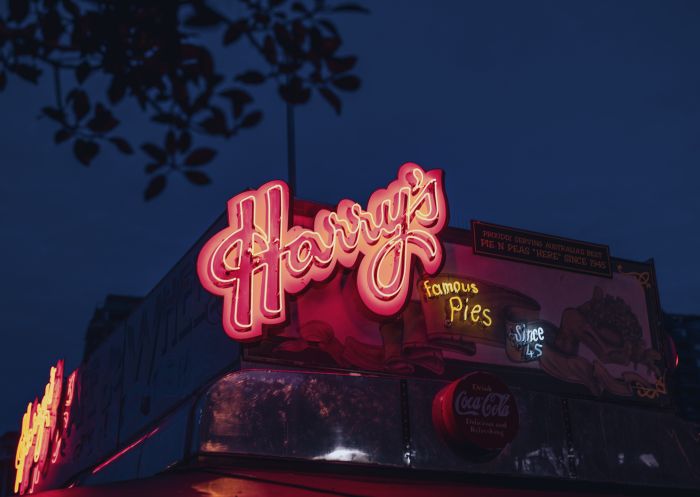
[(477, 413)]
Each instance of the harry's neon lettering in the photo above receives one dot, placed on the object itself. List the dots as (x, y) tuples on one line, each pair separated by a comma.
[(257, 259)]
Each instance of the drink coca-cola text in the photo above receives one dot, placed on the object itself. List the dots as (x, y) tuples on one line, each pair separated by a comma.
[(491, 405)]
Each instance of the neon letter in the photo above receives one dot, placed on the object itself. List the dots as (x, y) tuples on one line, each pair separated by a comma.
[(38, 430)]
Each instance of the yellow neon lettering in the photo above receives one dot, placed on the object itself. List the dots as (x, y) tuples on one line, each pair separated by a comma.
[(476, 309), (487, 318), (454, 302)]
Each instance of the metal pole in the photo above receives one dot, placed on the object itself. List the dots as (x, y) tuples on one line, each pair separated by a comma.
[(291, 151)]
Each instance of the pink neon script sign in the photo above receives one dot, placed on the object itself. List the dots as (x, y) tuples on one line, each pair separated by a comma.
[(258, 258)]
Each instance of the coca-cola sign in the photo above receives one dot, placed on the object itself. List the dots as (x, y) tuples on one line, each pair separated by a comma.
[(477, 413), (489, 406)]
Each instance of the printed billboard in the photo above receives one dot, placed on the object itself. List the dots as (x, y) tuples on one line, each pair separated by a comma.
[(554, 328)]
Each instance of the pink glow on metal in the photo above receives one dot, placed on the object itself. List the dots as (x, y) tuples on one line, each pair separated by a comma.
[(257, 259), (67, 403), (126, 449)]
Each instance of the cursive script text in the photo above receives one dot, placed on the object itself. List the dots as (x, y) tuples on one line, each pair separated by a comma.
[(258, 258)]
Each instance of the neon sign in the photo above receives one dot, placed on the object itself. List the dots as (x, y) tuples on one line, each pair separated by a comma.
[(525, 341), (458, 308), (438, 289), (257, 259), (43, 427)]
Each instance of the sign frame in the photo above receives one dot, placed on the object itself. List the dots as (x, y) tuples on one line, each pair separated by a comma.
[(521, 253)]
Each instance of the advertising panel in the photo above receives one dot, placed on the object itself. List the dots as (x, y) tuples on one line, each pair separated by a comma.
[(555, 328)]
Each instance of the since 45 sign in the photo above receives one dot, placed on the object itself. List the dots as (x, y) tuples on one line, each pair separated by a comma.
[(259, 258)]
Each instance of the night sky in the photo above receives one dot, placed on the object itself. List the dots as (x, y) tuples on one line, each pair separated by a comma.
[(580, 119)]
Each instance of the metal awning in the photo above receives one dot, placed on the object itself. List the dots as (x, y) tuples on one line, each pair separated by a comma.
[(248, 482)]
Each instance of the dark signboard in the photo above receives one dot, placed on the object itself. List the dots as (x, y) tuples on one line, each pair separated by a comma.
[(537, 248)]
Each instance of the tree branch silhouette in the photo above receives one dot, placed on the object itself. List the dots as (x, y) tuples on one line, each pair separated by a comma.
[(149, 51)]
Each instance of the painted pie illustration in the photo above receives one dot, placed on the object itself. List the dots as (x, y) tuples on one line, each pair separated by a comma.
[(608, 327)]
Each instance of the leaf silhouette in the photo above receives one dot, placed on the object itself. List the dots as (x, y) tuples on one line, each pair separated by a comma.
[(103, 120), (155, 152), (122, 145), (54, 113), (62, 135), (351, 7), (85, 151), (251, 119), (347, 83), (200, 156), (251, 77), (197, 178), (235, 31), (19, 9), (82, 72), (26, 72), (81, 104), (331, 98), (155, 187)]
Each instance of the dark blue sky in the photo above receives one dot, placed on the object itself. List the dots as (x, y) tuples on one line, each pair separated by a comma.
[(580, 119)]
